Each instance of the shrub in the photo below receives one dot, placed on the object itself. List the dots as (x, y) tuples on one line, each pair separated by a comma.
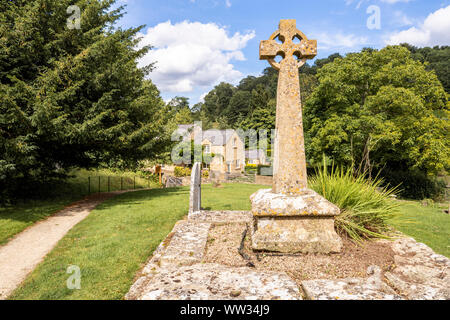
[(251, 168), (364, 209), (259, 169), (415, 184), (205, 173), (182, 172)]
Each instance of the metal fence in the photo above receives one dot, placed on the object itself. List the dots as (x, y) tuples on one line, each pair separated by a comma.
[(108, 184)]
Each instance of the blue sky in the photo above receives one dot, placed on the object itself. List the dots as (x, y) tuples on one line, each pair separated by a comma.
[(199, 43)]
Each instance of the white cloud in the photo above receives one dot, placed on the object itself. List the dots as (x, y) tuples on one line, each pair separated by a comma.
[(401, 19), (338, 40), (191, 54), (228, 3), (433, 31)]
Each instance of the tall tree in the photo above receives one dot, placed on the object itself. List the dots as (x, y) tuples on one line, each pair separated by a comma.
[(238, 107), (178, 103), (318, 63), (72, 97), (437, 59), (217, 100), (378, 109)]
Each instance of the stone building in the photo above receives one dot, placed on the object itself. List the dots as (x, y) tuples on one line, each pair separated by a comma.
[(226, 148), (256, 157)]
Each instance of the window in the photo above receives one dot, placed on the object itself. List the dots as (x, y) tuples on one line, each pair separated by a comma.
[(234, 142), (207, 148), (229, 167)]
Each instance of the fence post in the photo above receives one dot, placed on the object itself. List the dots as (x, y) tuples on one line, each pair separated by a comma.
[(99, 185), (109, 188), (134, 187), (121, 183), (89, 185)]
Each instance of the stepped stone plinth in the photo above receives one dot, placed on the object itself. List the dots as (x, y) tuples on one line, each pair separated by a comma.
[(294, 223)]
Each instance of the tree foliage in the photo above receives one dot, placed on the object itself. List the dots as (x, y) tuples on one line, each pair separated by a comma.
[(437, 59), (250, 104), (379, 109), (72, 97)]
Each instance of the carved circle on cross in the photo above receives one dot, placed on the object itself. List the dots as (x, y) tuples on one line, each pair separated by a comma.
[(287, 33), (277, 34)]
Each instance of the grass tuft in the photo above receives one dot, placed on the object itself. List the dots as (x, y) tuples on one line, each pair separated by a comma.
[(365, 206)]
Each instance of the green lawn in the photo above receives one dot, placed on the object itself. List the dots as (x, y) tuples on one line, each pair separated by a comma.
[(14, 219), (114, 241), (429, 225)]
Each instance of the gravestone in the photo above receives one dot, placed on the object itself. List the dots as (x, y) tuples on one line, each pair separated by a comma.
[(290, 217), (196, 188), (173, 182)]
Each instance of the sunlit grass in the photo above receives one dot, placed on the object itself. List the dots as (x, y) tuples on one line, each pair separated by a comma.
[(429, 225), (114, 241), (15, 218)]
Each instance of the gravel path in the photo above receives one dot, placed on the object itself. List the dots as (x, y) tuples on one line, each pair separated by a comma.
[(27, 249)]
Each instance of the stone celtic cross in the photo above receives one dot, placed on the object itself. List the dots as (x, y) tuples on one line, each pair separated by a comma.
[(291, 218), (289, 168)]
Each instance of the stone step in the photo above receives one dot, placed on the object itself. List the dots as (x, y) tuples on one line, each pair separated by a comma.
[(372, 288), (420, 273), (218, 282), (221, 217), (187, 245)]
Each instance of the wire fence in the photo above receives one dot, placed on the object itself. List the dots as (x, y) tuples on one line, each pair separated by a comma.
[(97, 184)]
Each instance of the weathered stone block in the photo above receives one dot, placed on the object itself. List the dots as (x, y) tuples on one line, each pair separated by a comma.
[(420, 273), (294, 223), (296, 234), (216, 282), (221, 217), (372, 288), (305, 203), (187, 245)]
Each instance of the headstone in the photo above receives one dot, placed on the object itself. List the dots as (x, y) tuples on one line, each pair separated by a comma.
[(196, 188), (173, 182), (291, 218)]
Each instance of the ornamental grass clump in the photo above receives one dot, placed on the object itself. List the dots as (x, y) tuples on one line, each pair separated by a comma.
[(365, 206)]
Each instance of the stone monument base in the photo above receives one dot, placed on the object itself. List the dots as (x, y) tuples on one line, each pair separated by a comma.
[(294, 223)]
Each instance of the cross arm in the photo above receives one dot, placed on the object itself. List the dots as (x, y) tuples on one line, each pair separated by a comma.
[(268, 49), (307, 49)]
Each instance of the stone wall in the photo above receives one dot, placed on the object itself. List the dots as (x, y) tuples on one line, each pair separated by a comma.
[(265, 180)]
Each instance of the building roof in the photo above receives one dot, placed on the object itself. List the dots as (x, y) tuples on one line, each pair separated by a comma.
[(215, 136), (218, 137), (185, 130)]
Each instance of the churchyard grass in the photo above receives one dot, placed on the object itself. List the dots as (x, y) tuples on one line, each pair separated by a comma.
[(116, 239), (429, 225), (15, 218)]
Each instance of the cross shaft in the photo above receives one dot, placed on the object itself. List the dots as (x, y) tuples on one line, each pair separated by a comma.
[(289, 167)]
